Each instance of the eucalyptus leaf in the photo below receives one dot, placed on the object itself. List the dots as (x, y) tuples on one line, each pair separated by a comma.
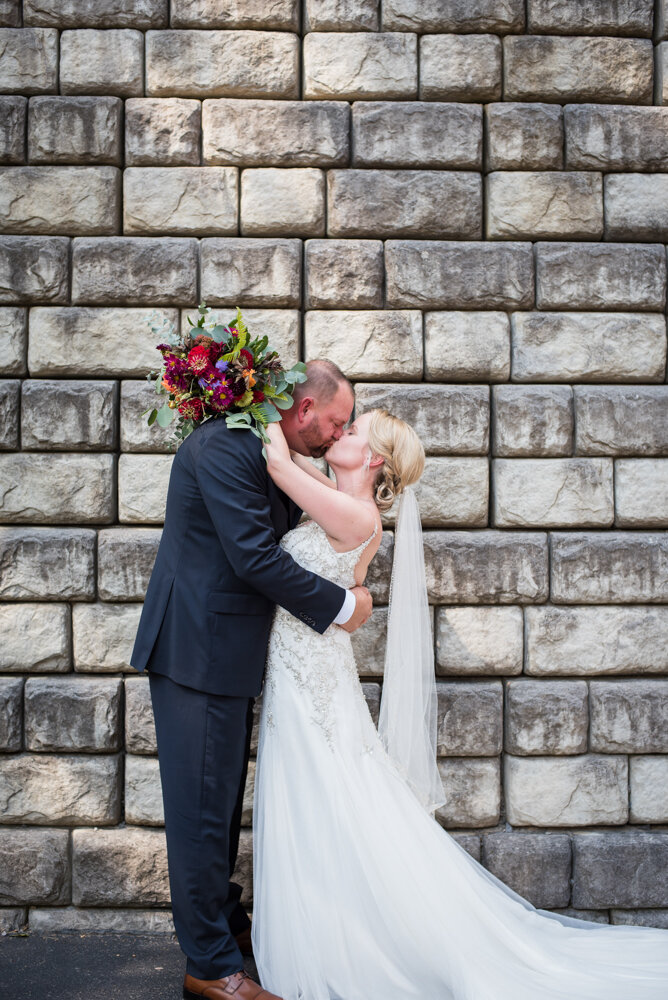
[(165, 416), (282, 402), (151, 419)]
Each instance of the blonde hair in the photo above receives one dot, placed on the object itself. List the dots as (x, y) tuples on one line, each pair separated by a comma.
[(402, 452)]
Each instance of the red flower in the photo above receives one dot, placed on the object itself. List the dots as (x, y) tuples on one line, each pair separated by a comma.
[(192, 409), (250, 360), (258, 396), (200, 363)]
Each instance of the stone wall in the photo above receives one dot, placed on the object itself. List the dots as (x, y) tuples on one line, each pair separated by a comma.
[(461, 202)]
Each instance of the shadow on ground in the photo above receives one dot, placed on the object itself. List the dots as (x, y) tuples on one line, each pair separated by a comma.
[(92, 967)]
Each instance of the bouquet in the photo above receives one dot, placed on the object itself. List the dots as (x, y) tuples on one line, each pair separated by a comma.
[(215, 370)]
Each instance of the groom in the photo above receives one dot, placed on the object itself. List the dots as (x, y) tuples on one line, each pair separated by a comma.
[(203, 636)]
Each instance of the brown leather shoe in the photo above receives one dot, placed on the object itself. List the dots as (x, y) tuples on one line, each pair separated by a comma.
[(240, 986), (244, 941)]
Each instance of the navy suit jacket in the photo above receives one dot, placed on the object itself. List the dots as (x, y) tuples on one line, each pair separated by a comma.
[(220, 571)]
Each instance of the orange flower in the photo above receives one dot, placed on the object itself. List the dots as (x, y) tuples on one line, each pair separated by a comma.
[(248, 375), (166, 385)]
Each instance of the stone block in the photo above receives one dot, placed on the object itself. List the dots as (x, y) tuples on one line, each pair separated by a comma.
[(460, 346), (621, 420), (13, 111), (11, 713), (280, 325), (34, 638), (249, 791), (143, 792), (470, 718), (96, 13), (34, 269), (125, 867), (486, 567), (460, 68), (73, 714), (251, 272), (552, 492), (94, 342), (125, 560), (525, 204), (532, 420), (139, 725), (620, 869), (13, 340), (378, 575), (524, 136), (103, 636), (222, 64), (75, 130), (102, 62), (470, 842), (391, 347), (14, 918), (459, 275), (142, 488), (58, 920), (607, 567), (75, 200), (536, 865), (648, 786), (640, 918), (588, 347), (55, 790), (282, 202), (417, 134), (68, 416), (136, 435), (360, 65), (497, 16), (603, 70), (28, 60), (281, 14), (472, 787), (590, 641), (591, 17), (661, 74), (52, 564), (452, 492), (615, 138), (479, 640), (35, 867), (369, 644), (134, 270), (449, 419), (161, 132), (600, 276), (371, 694), (583, 790), (57, 489), (546, 717), (661, 20), (344, 273), (595, 916), (9, 414), (629, 716), (391, 203), (303, 134), (341, 15), (641, 493), (183, 201), (10, 13), (635, 207)]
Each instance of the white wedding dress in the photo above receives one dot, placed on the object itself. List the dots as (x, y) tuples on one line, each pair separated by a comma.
[(358, 893)]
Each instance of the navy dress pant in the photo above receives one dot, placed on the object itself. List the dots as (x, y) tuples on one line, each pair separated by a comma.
[(203, 748)]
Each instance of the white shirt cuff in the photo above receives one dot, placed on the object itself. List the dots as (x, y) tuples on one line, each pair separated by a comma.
[(347, 609)]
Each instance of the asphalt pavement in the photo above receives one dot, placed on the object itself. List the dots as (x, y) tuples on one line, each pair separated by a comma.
[(100, 966)]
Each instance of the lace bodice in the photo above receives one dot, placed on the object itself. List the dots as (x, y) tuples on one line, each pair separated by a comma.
[(309, 546)]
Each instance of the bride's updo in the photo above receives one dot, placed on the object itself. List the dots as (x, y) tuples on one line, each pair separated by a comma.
[(403, 454)]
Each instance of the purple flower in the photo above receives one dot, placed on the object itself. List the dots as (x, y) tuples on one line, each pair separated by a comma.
[(222, 365)]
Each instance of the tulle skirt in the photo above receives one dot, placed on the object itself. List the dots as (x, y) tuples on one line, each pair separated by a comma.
[(360, 895)]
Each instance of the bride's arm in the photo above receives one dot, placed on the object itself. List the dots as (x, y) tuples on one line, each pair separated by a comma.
[(312, 470), (342, 517)]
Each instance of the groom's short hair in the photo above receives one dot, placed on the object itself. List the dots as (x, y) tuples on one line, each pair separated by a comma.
[(323, 379)]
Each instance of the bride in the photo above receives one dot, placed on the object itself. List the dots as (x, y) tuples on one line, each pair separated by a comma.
[(360, 894)]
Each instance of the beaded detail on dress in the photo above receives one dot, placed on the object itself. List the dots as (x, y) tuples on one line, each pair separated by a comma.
[(315, 662)]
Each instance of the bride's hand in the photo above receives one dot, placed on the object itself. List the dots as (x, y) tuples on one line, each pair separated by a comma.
[(277, 451)]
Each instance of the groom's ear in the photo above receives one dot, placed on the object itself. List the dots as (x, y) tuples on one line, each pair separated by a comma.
[(305, 406)]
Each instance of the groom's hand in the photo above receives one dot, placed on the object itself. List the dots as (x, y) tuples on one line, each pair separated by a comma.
[(363, 608)]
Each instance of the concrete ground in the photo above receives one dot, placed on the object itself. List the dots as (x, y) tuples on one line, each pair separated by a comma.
[(92, 967)]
